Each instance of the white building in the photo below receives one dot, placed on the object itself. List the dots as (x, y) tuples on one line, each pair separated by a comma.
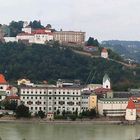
[(106, 82), (130, 111), (27, 29), (112, 106), (51, 99), (40, 36), (104, 53), (25, 37), (10, 39)]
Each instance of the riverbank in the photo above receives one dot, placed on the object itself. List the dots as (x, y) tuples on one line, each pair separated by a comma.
[(102, 121)]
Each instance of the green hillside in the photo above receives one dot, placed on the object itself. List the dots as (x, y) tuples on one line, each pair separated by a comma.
[(50, 62)]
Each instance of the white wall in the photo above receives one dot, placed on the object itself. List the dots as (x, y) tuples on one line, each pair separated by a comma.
[(107, 84), (10, 39), (130, 114), (104, 54)]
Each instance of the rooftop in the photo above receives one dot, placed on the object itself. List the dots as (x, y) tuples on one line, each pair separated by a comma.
[(113, 99), (2, 79), (131, 104)]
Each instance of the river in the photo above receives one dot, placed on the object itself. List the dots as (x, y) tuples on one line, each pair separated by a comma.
[(19, 131)]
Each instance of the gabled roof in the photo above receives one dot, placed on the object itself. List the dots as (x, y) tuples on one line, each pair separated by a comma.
[(131, 104), (2, 79), (106, 77), (104, 50), (101, 90)]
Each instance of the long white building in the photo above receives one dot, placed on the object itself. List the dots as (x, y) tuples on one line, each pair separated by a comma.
[(51, 99), (112, 106)]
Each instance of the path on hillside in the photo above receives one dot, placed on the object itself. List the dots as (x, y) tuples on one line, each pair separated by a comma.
[(92, 56)]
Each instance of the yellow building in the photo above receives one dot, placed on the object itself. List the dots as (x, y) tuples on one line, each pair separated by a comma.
[(92, 103), (23, 82)]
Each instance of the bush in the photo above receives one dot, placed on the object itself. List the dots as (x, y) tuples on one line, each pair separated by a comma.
[(23, 111), (41, 114), (72, 117)]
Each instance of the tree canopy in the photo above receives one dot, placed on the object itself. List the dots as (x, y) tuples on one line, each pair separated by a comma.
[(51, 62)]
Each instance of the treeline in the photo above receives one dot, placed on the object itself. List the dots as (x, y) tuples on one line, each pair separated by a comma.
[(15, 27), (51, 62)]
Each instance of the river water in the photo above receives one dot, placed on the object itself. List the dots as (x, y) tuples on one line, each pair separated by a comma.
[(19, 131)]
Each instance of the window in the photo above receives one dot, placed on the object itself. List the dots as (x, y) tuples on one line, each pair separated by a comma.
[(50, 108), (40, 98), (35, 108), (31, 108), (31, 97), (50, 98)]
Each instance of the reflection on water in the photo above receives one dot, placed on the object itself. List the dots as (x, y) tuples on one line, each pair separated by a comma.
[(68, 132)]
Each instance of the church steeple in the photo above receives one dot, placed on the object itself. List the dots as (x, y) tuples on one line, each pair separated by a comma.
[(106, 82)]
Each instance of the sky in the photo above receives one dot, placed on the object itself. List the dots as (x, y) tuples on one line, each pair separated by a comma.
[(101, 19)]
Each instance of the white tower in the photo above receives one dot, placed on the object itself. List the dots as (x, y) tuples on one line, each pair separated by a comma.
[(106, 82), (25, 24), (130, 111), (104, 53)]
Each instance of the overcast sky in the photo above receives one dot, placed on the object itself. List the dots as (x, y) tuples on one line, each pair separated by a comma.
[(101, 19)]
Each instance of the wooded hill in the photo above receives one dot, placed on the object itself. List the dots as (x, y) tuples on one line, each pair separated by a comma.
[(51, 62)]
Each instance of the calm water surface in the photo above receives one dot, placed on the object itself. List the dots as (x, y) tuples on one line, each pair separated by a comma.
[(68, 132)]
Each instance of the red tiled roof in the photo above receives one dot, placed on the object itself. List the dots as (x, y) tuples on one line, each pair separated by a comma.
[(131, 104), (13, 97), (2, 79), (41, 31), (104, 50), (101, 90), (9, 88)]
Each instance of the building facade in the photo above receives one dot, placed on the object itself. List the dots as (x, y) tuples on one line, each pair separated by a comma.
[(51, 99), (104, 53), (112, 106), (69, 37)]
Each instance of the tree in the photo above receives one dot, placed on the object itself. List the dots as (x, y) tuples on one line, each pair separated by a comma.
[(92, 42), (49, 26), (36, 24), (8, 105), (63, 113), (57, 112), (22, 111), (15, 28), (41, 114)]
